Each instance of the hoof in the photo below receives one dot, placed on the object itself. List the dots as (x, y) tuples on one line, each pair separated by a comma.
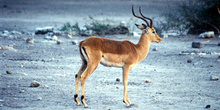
[(75, 97), (127, 104)]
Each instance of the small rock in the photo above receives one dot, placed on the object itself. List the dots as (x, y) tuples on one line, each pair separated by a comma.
[(209, 34), (147, 81), (201, 53), (4, 55), (118, 80), (75, 42), (208, 106), (46, 86), (189, 61), (25, 74), (2, 47), (4, 35), (165, 36), (15, 33), (52, 59), (214, 78), (48, 38), (30, 41), (43, 30), (123, 23), (158, 93), (39, 98), (155, 49), (219, 44), (6, 31), (60, 42), (197, 45), (184, 53), (69, 36), (35, 84), (55, 38), (22, 91), (9, 72)]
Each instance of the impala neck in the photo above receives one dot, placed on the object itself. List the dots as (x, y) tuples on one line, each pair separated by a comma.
[(143, 46)]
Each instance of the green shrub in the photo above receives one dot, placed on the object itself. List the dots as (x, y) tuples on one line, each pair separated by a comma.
[(74, 28), (98, 27)]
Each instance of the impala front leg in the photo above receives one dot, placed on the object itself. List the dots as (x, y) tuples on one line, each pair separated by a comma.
[(126, 69)]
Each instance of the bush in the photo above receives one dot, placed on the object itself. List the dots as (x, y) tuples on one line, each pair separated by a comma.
[(106, 27), (74, 28), (193, 17), (96, 27)]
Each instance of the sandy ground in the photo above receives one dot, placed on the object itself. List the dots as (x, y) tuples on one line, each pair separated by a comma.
[(175, 83)]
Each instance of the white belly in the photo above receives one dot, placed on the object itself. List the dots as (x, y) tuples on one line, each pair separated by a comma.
[(111, 64)]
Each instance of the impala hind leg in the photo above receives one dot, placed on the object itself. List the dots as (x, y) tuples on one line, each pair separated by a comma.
[(93, 60), (89, 70), (77, 80), (126, 69)]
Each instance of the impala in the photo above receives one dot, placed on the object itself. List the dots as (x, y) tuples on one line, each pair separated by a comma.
[(112, 53)]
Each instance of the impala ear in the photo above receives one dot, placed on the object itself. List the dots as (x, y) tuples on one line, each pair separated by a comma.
[(141, 27), (144, 26)]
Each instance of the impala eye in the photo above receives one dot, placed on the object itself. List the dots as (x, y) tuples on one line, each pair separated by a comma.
[(154, 32)]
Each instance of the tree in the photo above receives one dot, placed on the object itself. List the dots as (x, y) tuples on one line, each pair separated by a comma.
[(194, 16)]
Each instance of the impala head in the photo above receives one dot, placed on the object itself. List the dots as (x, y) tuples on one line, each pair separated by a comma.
[(147, 30)]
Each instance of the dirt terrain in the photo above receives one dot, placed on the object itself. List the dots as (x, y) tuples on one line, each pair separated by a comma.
[(179, 74)]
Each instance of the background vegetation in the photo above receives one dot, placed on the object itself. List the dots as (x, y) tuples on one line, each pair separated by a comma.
[(192, 17), (186, 17), (96, 27)]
